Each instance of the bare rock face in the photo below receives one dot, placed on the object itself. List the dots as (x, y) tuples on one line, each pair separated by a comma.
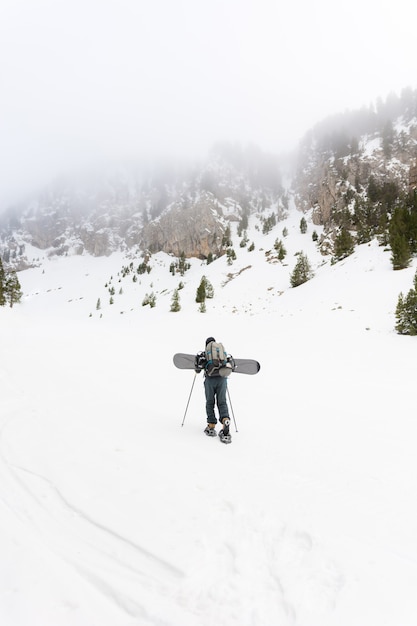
[(44, 230), (96, 243), (194, 230), (328, 185)]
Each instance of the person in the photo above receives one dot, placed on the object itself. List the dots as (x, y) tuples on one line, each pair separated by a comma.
[(215, 387)]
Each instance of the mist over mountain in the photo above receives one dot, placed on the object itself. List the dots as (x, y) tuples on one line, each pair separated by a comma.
[(351, 171)]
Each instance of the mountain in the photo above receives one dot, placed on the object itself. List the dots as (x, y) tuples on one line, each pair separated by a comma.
[(356, 168), (353, 170), (178, 208)]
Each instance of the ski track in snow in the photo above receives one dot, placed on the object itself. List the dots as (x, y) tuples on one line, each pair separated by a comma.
[(116, 567), (310, 525), (251, 585), (107, 560)]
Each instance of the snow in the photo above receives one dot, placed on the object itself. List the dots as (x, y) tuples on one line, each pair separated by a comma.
[(371, 145), (112, 514)]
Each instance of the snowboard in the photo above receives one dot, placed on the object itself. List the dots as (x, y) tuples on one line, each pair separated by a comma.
[(242, 366)]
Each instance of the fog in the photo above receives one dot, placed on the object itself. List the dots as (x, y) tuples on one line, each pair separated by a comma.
[(83, 80)]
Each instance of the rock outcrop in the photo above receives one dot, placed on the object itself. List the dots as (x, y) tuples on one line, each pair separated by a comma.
[(195, 230)]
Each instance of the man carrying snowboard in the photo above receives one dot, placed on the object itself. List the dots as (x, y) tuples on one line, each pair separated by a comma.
[(217, 365)]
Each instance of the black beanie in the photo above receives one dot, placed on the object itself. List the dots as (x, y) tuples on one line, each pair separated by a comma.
[(210, 339)]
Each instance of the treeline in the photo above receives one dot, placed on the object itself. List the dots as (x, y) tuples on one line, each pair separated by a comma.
[(339, 134), (386, 213)]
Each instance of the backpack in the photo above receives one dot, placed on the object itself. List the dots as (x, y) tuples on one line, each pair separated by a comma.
[(216, 357)]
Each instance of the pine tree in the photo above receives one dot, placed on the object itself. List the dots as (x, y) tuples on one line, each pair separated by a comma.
[(231, 256), (401, 254), (227, 239), (406, 312), (175, 302), (209, 289), (98, 305), (401, 325), (201, 291), (150, 298), (13, 289), (2, 285), (303, 225), (344, 244), (279, 247), (302, 271), (399, 238)]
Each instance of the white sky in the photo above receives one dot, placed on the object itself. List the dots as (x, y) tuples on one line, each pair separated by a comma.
[(108, 78)]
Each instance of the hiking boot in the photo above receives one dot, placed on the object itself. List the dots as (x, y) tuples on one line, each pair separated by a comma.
[(210, 430)]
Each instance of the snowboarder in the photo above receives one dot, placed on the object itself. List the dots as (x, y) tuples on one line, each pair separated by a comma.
[(215, 386)]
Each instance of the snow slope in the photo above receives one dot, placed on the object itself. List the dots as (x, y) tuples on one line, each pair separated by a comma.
[(112, 514)]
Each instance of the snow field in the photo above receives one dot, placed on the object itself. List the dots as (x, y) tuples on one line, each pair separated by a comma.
[(114, 514)]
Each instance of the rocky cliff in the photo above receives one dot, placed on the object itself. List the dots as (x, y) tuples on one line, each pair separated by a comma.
[(179, 211), (350, 162)]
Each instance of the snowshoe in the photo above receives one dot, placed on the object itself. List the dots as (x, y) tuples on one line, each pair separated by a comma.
[(210, 430), (224, 434), (225, 438)]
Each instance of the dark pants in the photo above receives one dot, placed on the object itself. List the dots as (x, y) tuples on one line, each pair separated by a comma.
[(215, 388)]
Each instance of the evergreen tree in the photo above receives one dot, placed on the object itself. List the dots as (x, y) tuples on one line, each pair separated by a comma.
[(406, 312), (401, 255), (303, 225), (183, 265), (400, 326), (150, 298), (344, 244), (227, 239), (245, 240), (2, 285), (209, 289), (243, 224), (204, 290), (388, 139), (201, 291), (231, 256), (400, 237), (302, 271), (13, 289), (269, 223), (98, 305), (175, 302), (279, 247)]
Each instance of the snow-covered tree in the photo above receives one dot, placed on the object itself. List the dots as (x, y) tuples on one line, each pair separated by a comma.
[(302, 271)]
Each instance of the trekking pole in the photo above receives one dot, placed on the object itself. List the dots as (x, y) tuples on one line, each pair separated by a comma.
[(189, 398), (233, 413)]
